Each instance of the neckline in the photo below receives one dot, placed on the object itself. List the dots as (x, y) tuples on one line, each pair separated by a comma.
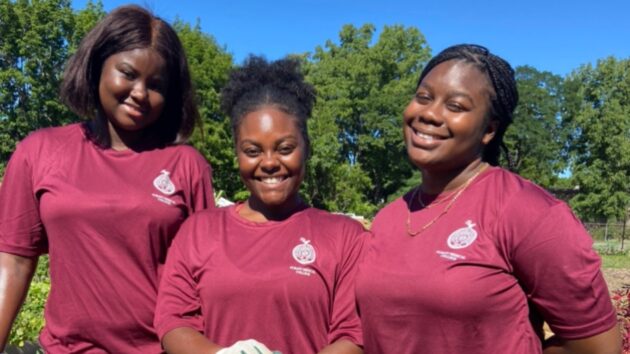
[(233, 212)]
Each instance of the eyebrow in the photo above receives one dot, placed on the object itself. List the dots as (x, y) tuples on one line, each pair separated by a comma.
[(449, 93)]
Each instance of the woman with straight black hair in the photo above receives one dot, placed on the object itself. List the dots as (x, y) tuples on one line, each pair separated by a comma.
[(105, 197)]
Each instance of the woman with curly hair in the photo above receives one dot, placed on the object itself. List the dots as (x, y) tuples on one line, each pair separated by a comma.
[(271, 269)]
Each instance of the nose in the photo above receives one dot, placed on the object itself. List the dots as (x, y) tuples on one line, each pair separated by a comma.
[(430, 115), (269, 163), (139, 91)]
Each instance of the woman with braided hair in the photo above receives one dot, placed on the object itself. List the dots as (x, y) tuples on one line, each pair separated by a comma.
[(475, 258), (271, 269)]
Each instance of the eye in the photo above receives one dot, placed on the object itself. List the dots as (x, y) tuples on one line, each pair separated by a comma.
[(128, 74), (454, 107), (286, 149), (423, 98), (251, 152)]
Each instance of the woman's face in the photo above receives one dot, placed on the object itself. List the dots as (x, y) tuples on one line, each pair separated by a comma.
[(271, 156), (132, 89), (446, 123)]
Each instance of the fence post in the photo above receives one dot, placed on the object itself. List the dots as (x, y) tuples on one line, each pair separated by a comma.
[(623, 232)]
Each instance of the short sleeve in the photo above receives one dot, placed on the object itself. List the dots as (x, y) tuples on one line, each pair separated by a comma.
[(560, 273), (201, 195), (178, 303), (345, 322), (21, 230)]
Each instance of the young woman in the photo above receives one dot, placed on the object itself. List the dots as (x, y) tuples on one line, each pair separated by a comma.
[(271, 269), (105, 198), (473, 259)]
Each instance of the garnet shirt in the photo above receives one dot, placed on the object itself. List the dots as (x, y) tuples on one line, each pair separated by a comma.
[(287, 284), (468, 283), (107, 219)]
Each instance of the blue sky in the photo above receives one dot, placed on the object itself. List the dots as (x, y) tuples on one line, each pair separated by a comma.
[(556, 36)]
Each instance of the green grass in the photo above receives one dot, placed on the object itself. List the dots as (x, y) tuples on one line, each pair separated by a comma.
[(619, 260)]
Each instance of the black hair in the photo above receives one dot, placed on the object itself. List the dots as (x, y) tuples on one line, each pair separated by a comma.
[(504, 93), (127, 28), (261, 83)]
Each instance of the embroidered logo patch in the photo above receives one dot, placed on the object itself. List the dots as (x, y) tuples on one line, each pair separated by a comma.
[(304, 253), (462, 238), (163, 183)]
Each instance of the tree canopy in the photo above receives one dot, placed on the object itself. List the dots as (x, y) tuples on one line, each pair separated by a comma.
[(576, 127)]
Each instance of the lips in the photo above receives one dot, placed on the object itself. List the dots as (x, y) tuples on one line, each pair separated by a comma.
[(424, 138), (272, 181), (135, 110)]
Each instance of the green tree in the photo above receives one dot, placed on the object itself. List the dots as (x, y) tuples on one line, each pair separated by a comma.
[(536, 139), (210, 65), (36, 38), (358, 152), (598, 111)]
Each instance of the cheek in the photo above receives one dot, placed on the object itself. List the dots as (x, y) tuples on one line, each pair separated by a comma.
[(158, 101)]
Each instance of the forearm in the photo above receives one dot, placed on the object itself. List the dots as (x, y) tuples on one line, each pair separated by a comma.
[(608, 342), (343, 346), (15, 276), (187, 340)]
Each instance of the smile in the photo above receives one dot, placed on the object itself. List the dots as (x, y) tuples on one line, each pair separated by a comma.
[(271, 180), (135, 110), (426, 136)]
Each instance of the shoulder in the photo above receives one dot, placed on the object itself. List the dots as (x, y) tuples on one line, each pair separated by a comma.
[(333, 220), (511, 191), (49, 143), (51, 138), (393, 210), (188, 155)]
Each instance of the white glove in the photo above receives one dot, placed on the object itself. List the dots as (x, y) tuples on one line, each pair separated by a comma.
[(249, 346)]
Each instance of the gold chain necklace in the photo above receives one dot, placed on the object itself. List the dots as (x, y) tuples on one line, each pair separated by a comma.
[(446, 208)]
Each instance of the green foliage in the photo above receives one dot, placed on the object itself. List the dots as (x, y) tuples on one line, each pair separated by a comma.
[(31, 318), (598, 111), (358, 154), (210, 66), (35, 41), (536, 139)]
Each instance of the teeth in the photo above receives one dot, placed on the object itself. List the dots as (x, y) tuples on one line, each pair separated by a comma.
[(425, 136), (271, 180)]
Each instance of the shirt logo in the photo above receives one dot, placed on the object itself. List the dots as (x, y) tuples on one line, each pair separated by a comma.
[(462, 238), (304, 253), (163, 183)]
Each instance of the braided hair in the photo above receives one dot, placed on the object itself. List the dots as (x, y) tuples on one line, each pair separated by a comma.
[(504, 94), (261, 83)]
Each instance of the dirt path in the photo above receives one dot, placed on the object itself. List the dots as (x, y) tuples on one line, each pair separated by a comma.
[(616, 278)]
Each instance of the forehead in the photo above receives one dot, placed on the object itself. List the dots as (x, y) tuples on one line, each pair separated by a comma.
[(458, 75), (268, 120), (143, 58)]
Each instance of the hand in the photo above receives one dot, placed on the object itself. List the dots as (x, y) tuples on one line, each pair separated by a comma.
[(249, 346)]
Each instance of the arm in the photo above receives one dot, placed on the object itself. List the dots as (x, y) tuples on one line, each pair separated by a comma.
[(608, 342), (15, 276), (560, 273), (342, 346), (187, 340)]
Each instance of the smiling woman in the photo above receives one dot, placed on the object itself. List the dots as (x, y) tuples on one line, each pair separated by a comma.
[(475, 258), (272, 269), (105, 197)]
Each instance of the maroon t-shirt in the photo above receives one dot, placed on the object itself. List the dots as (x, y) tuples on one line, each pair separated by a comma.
[(107, 219), (288, 284), (469, 282)]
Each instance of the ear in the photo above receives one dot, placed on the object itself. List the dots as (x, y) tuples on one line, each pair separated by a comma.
[(491, 130)]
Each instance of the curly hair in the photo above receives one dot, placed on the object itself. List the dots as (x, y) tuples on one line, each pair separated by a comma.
[(261, 83), (504, 93), (127, 28)]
